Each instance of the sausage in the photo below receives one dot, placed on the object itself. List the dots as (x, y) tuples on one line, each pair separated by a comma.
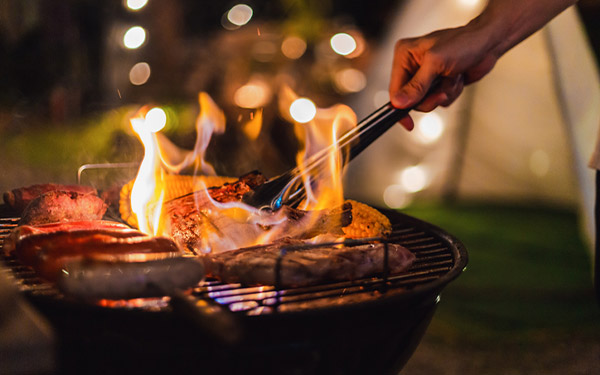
[(47, 253), (23, 231), (121, 280)]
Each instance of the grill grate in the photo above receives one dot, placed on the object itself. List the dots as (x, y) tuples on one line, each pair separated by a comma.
[(439, 259)]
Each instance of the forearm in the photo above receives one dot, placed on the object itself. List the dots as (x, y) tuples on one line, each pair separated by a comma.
[(508, 22)]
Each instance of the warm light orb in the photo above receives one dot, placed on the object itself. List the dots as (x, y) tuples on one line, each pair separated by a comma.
[(395, 196), (239, 14), (134, 37), (469, 3), (293, 47), (156, 119), (139, 73), (303, 110), (430, 127), (413, 179), (254, 94), (350, 80), (135, 4), (343, 44)]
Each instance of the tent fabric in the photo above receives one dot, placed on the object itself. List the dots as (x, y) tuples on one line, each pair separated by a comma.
[(524, 133)]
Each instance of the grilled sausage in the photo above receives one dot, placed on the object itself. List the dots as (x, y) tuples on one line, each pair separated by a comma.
[(122, 280), (48, 253), (23, 231)]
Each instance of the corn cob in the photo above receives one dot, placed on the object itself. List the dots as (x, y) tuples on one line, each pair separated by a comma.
[(175, 186), (367, 222)]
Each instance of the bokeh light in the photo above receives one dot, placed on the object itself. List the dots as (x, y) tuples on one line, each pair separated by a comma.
[(303, 110), (155, 119), (469, 3), (134, 37), (135, 4), (139, 73), (394, 196), (343, 44), (350, 80), (239, 14), (430, 127), (293, 47), (414, 179), (254, 94)]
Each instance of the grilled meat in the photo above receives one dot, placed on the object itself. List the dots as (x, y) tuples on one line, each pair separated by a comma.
[(18, 199), (196, 224), (48, 253), (125, 280), (58, 205), (303, 266), (23, 231)]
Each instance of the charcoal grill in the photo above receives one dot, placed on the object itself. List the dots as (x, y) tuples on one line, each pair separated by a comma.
[(363, 326)]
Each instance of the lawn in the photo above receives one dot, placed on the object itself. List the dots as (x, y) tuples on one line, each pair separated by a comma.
[(525, 302)]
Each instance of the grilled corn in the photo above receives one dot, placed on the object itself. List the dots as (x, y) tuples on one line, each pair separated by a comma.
[(175, 186), (367, 222)]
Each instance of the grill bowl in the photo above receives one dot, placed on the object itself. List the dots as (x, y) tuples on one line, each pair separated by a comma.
[(365, 326)]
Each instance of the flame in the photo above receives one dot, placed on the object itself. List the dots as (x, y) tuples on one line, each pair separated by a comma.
[(161, 156), (319, 138), (234, 224)]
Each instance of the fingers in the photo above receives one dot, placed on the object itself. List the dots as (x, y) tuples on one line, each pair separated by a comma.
[(407, 122), (444, 94)]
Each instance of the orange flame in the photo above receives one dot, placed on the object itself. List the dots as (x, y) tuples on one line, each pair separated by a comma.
[(319, 137), (238, 224)]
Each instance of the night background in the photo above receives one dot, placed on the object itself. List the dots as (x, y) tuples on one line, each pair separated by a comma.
[(69, 86)]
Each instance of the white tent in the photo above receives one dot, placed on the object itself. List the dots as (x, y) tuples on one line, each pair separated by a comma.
[(524, 133)]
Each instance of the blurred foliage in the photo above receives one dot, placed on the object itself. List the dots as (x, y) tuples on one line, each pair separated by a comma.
[(46, 152)]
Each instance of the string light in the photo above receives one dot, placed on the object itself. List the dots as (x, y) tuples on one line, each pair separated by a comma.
[(414, 179), (134, 37), (343, 44), (155, 119), (350, 80), (293, 47), (395, 196), (254, 94), (239, 14), (430, 127), (139, 73), (303, 110), (135, 4)]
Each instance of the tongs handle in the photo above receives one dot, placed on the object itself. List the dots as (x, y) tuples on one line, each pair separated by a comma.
[(375, 125)]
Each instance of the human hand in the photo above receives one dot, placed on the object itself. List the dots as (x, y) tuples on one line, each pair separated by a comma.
[(452, 58)]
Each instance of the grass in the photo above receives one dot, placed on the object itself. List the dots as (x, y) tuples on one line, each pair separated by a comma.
[(529, 273)]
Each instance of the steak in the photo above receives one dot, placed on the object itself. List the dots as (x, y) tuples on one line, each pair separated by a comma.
[(304, 265)]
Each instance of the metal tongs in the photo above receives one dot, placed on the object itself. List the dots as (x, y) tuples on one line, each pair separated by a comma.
[(288, 189)]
